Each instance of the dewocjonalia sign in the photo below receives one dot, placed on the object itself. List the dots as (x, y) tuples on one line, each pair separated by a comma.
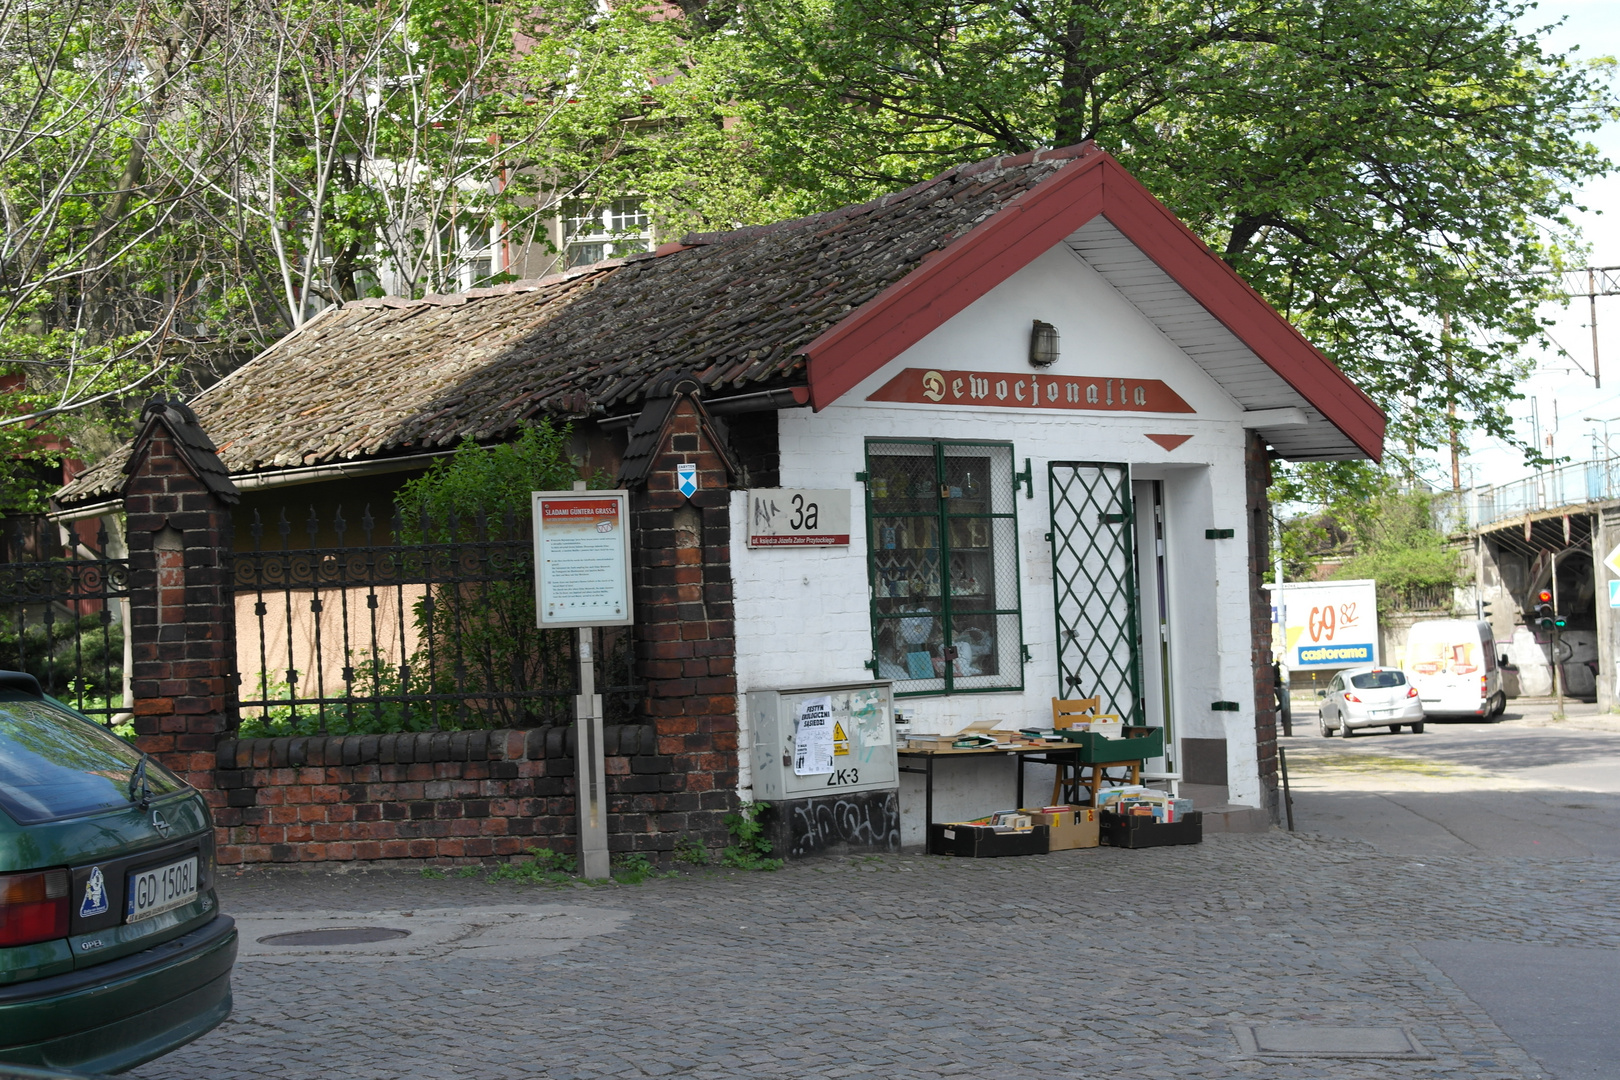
[(581, 558), (999, 389), (1329, 624)]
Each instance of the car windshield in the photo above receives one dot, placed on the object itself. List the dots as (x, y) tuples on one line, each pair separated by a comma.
[(54, 764), (1377, 680)]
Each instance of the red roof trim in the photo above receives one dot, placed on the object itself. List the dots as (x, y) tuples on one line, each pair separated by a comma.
[(1094, 183)]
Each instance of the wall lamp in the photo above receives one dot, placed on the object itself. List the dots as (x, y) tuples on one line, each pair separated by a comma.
[(1043, 344)]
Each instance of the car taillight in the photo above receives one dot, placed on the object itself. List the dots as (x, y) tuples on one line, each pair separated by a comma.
[(1411, 692), (33, 907), (1348, 696)]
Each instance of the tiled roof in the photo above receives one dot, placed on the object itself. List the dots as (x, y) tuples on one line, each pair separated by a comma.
[(389, 377), (192, 443)]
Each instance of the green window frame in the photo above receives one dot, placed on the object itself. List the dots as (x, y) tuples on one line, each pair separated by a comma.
[(942, 564)]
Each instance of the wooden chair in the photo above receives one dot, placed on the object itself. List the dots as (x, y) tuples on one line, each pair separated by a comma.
[(1065, 714)]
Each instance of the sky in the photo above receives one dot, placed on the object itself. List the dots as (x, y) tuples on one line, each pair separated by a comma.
[(1557, 387)]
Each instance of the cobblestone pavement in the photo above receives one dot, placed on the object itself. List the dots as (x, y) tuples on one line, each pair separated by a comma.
[(1100, 963)]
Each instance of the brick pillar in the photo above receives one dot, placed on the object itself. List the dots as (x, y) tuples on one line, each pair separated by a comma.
[(177, 504), (1257, 479), (685, 648)]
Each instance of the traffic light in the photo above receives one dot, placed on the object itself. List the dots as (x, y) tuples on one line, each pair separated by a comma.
[(1544, 611)]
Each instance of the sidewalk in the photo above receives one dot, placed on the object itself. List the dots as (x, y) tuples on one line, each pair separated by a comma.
[(1133, 965)]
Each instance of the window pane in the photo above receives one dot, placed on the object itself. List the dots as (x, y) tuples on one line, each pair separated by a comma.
[(54, 764), (903, 478), (989, 651), (979, 479), (910, 649), (1378, 680), (627, 215), (585, 254)]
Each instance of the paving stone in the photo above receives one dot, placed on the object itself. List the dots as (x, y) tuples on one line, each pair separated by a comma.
[(1125, 964)]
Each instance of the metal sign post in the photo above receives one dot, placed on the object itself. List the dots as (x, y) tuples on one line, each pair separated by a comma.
[(582, 579)]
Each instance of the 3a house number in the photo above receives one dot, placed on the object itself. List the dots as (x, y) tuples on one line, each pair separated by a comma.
[(805, 514)]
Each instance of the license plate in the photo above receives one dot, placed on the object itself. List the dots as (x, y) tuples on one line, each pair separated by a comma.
[(162, 888), (1381, 712)]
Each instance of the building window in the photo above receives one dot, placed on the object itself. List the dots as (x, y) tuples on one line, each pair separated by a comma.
[(942, 542), (610, 231)]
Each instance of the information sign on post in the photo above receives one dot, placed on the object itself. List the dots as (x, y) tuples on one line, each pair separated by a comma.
[(582, 579), (582, 558)]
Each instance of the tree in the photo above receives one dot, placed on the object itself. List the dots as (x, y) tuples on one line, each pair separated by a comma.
[(184, 181), (1373, 167)]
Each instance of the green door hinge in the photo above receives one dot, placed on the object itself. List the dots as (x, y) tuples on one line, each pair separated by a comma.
[(1028, 656), (1112, 519), (1224, 706), (1027, 478), (1219, 534), (861, 478), (871, 665)]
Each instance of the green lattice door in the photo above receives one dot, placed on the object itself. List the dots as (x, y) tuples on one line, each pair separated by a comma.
[(1099, 644)]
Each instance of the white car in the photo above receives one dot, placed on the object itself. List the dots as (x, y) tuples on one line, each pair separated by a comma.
[(1367, 697)]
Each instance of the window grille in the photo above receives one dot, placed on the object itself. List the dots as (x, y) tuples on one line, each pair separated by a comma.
[(942, 542)]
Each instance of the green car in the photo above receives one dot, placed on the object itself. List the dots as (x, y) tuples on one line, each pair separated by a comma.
[(112, 947)]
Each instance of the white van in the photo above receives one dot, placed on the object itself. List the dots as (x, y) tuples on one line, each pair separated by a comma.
[(1452, 663)]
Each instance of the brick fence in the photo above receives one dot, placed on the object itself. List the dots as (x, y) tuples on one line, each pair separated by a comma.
[(442, 796), (445, 796)]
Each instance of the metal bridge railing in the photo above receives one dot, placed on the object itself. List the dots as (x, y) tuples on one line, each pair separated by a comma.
[(1574, 484)]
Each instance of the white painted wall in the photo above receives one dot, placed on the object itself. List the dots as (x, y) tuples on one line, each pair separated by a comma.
[(802, 613)]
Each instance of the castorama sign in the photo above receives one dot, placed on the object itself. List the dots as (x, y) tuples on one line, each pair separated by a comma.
[(1328, 624)]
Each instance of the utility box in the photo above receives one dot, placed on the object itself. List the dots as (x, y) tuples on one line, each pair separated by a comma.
[(824, 758)]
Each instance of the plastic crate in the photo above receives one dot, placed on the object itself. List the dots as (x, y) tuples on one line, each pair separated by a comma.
[(1095, 749), (1139, 831)]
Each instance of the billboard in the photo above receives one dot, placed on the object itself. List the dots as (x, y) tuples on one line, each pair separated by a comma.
[(1327, 624)]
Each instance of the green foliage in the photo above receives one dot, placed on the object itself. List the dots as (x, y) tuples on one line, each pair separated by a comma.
[(433, 873), (1363, 518), (547, 868), (493, 481), (80, 660), (1397, 546), (488, 628), (691, 851), (1376, 170), (405, 706), (751, 848), (633, 868)]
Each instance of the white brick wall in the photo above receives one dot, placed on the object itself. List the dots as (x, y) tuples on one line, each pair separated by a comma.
[(803, 613)]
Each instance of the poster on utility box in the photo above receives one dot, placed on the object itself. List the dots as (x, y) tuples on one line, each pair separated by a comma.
[(1327, 624), (581, 558)]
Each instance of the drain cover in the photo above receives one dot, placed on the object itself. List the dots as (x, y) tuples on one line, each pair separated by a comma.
[(1310, 1040), (336, 935)]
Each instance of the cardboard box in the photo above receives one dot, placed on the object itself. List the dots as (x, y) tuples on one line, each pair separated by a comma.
[(969, 841), (1072, 827)]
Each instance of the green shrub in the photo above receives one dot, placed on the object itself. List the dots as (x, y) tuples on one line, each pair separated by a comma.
[(752, 848)]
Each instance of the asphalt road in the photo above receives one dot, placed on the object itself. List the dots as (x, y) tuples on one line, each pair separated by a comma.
[(1539, 789)]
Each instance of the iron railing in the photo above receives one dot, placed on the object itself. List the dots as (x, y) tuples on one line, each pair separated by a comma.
[(402, 624), (1575, 484), (64, 604)]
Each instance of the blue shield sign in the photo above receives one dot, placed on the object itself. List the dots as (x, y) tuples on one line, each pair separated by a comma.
[(686, 479)]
